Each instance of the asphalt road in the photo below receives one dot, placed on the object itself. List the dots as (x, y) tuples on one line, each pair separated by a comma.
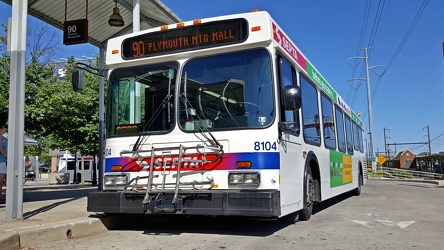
[(387, 215)]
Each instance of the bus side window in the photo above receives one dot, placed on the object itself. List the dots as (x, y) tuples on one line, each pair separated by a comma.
[(361, 142), (340, 129), (349, 135), (310, 113), (86, 166), (71, 165), (328, 122), (290, 118), (356, 136)]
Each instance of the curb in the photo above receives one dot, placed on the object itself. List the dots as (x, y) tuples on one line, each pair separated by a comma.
[(436, 182), (10, 241), (52, 232)]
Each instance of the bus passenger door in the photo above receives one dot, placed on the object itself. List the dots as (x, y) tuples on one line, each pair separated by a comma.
[(291, 166)]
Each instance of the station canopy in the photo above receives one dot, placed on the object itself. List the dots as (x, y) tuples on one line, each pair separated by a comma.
[(153, 13)]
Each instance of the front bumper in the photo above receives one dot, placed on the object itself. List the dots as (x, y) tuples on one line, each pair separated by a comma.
[(263, 203)]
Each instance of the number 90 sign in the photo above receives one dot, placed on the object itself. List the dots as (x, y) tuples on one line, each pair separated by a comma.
[(75, 32), (72, 29)]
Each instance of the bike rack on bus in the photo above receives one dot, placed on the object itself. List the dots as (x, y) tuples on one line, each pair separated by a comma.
[(158, 190)]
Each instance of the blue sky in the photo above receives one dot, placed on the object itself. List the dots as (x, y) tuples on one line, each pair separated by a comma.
[(405, 36)]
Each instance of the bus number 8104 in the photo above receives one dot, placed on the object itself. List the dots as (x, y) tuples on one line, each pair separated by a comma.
[(264, 146)]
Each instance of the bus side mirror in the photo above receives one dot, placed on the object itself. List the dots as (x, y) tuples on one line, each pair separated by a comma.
[(291, 97), (77, 80)]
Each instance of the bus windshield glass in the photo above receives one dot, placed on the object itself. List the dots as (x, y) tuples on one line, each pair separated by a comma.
[(140, 99), (227, 91)]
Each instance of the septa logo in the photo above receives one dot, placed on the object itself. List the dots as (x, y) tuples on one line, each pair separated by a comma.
[(191, 162), (276, 37)]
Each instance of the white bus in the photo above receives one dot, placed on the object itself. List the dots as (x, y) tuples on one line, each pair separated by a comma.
[(225, 117), (68, 164)]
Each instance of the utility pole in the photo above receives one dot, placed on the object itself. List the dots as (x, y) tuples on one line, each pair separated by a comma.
[(370, 112), (428, 141), (387, 148), (385, 142), (369, 104)]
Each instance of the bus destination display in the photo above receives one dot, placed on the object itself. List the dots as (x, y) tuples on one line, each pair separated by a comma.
[(188, 38)]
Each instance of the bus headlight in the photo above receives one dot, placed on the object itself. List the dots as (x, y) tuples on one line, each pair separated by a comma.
[(235, 178), (251, 179), (115, 181), (246, 179)]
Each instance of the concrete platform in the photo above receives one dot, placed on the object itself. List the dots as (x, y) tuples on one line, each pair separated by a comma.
[(50, 213)]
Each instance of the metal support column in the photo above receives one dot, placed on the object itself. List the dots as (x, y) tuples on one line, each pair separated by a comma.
[(101, 120), (16, 118)]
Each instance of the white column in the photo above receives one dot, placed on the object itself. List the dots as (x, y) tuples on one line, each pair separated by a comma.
[(16, 165)]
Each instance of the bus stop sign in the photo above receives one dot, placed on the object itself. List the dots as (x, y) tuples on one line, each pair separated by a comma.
[(75, 31)]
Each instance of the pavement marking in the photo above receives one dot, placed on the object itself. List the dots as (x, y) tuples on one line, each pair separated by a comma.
[(375, 221), (365, 223), (404, 224)]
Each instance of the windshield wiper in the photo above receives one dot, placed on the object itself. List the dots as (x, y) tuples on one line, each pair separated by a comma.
[(201, 128), (165, 103), (143, 135)]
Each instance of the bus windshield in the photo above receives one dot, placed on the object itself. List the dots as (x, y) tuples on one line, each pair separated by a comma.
[(140, 99), (227, 91)]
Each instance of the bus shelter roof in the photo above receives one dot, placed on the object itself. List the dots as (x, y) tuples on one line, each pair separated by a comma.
[(153, 13)]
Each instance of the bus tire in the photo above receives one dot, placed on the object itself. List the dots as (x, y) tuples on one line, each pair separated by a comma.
[(310, 189), (357, 191)]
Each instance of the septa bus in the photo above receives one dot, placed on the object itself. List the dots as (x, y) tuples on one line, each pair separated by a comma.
[(223, 116), (68, 164)]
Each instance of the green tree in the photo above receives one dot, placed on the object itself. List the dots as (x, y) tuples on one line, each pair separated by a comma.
[(55, 115), (70, 118)]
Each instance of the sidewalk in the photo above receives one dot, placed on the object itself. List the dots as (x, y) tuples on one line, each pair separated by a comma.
[(50, 213), (439, 183)]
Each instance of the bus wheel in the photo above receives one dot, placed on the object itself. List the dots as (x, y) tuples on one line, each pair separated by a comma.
[(357, 191), (306, 212)]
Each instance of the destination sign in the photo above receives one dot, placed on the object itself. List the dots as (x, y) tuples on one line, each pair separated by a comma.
[(75, 32), (195, 37)]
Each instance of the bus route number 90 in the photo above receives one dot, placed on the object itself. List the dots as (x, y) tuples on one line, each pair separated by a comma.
[(265, 146)]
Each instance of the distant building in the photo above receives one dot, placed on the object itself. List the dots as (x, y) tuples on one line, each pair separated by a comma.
[(404, 159), (430, 163)]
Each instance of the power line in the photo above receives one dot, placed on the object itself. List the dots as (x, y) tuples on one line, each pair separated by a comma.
[(373, 34), (430, 141), (420, 84), (406, 36), (426, 108), (365, 18), (376, 23), (409, 31)]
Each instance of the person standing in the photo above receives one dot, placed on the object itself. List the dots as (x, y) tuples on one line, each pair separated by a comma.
[(3, 160)]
